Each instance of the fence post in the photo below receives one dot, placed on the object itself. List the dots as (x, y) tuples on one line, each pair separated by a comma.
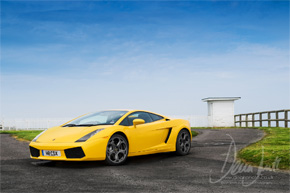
[(286, 119), (277, 119), (241, 125), (269, 119), (247, 120), (260, 117), (235, 119), (253, 120)]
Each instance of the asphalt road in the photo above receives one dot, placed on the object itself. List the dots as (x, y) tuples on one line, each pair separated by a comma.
[(200, 171)]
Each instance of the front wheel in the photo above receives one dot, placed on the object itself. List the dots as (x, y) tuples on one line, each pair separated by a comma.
[(183, 142), (117, 150)]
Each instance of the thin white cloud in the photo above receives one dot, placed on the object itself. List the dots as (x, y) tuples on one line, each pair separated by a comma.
[(167, 85)]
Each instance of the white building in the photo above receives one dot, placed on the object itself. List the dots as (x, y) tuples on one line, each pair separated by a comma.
[(221, 111)]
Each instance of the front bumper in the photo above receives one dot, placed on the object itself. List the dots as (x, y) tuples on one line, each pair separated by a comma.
[(81, 151)]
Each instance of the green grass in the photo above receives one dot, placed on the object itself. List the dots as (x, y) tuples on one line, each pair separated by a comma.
[(194, 133), (276, 145), (26, 135)]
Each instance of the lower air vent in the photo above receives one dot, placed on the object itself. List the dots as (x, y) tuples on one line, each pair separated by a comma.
[(76, 152), (34, 152)]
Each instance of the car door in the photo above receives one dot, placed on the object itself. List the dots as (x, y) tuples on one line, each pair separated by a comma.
[(147, 136)]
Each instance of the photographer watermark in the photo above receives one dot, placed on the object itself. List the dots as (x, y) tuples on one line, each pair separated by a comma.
[(233, 174)]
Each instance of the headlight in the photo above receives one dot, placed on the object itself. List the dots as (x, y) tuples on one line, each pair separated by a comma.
[(86, 137), (38, 135)]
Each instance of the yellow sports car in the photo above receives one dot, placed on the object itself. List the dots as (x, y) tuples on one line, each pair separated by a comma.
[(112, 136)]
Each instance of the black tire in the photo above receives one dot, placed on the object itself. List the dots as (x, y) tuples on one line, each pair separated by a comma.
[(183, 143), (117, 150)]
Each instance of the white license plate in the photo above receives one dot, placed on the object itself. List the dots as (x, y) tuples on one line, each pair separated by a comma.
[(50, 153)]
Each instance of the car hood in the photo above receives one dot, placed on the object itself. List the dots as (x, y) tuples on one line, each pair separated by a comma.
[(67, 134)]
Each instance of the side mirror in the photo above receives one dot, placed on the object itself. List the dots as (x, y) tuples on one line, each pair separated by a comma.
[(138, 122)]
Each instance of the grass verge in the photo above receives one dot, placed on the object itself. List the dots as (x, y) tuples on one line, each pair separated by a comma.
[(194, 133), (25, 135), (276, 146)]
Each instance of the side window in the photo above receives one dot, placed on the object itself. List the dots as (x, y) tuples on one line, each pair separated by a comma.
[(139, 115), (125, 122), (155, 117)]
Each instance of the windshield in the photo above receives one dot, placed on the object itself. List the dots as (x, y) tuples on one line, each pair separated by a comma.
[(99, 118)]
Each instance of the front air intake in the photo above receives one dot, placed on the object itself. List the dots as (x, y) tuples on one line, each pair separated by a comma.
[(76, 152), (34, 152)]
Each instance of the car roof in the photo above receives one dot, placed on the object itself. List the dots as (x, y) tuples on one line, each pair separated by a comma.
[(134, 110), (131, 110)]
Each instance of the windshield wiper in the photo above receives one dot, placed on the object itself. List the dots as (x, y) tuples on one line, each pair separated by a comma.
[(88, 125), (84, 125), (69, 125)]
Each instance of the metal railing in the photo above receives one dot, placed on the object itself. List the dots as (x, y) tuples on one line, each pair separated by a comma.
[(31, 124), (279, 118)]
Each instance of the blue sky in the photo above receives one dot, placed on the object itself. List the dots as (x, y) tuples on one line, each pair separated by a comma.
[(65, 58)]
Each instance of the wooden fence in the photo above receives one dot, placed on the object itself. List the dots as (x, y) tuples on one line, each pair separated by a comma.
[(266, 118)]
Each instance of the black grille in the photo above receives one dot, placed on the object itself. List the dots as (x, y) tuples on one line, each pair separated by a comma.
[(76, 152), (34, 152)]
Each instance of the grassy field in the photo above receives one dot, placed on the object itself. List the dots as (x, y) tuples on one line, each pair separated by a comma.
[(25, 135), (276, 145)]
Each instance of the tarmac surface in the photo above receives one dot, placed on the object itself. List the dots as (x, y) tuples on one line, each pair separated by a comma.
[(207, 168)]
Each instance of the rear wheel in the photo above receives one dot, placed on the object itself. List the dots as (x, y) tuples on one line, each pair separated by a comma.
[(183, 142), (117, 150)]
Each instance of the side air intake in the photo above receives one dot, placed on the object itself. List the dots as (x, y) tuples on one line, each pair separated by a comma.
[(168, 135)]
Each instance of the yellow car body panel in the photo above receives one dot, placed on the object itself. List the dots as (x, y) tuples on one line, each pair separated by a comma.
[(148, 138)]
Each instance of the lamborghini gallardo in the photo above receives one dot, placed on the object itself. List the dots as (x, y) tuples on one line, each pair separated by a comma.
[(112, 135)]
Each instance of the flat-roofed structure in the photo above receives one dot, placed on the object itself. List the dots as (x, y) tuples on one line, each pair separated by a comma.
[(221, 111)]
